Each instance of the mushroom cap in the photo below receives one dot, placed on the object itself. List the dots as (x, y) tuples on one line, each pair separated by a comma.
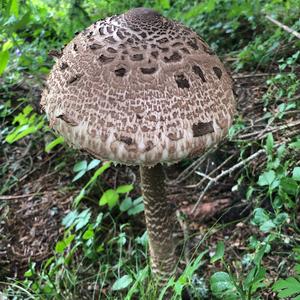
[(139, 88)]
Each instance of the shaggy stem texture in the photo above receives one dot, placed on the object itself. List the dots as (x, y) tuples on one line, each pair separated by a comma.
[(160, 221)]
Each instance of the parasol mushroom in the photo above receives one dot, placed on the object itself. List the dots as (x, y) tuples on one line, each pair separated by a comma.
[(140, 89)]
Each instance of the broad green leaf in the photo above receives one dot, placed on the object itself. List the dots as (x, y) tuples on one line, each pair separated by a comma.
[(289, 185), (7, 45), (267, 226), (281, 218), (60, 247), (165, 4), (295, 145), (136, 209), (297, 269), (109, 197), (70, 218), (223, 287), (14, 8), (122, 283), (266, 178), (81, 165), (123, 189), (219, 252), (93, 164), (83, 219), (126, 204), (296, 173), (69, 239), (287, 287), (51, 145), (260, 216), (78, 175), (88, 234)]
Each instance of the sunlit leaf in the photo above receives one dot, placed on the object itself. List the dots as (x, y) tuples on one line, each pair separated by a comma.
[(81, 165), (123, 189), (122, 283), (219, 252), (109, 197)]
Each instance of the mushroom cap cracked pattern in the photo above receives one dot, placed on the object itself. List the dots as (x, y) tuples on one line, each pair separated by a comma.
[(139, 88)]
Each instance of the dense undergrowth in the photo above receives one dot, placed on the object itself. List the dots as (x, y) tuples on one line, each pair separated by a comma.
[(102, 251)]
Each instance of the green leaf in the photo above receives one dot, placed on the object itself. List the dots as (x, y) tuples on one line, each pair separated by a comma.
[(109, 197), (83, 219), (287, 287), (222, 286), (295, 145), (296, 173), (14, 8), (51, 145), (289, 185), (60, 247), (267, 226), (165, 4), (122, 283), (254, 278), (88, 234), (259, 255), (266, 178), (205, 6), (28, 273), (4, 58), (99, 172), (297, 269), (78, 175), (123, 189), (93, 164), (269, 143), (219, 252), (260, 216), (79, 197), (20, 133), (7, 45), (81, 165), (126, 204), (136, 209), (69, 239), (70, 218), (281, 218)]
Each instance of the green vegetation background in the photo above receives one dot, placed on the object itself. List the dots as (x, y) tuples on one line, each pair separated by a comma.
[(98, 257)]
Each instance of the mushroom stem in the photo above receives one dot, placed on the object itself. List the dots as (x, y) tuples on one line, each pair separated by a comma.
[(160, 222)]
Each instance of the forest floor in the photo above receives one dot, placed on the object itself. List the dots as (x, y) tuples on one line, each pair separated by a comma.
[(39, 193)]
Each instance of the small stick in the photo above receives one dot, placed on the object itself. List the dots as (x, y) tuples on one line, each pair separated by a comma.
[(13, 197), (224, 173), (284, 27)]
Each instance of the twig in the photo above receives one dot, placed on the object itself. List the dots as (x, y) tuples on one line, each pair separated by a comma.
[(224, 173), (190, 169), (241, 76), (284, 27), (13, 197), (212, 172)]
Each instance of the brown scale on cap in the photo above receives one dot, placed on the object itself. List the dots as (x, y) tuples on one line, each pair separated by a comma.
[(139, 60)]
